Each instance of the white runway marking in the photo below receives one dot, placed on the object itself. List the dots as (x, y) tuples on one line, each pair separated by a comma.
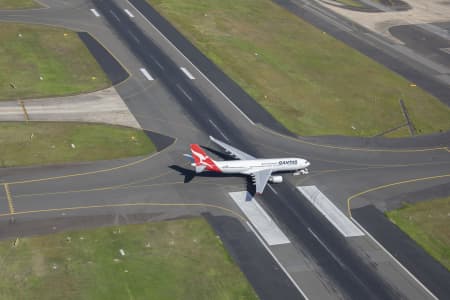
[(218, 129), (272, 189), (326, 248), (129, 13), (266, 227), (277, 261), (343, 224), (187, 73), (114, 15), (146, 74), (195, 67), (134, 37), (184, 92), (156, 62), (95, 12), (446, 50), (394, 259)]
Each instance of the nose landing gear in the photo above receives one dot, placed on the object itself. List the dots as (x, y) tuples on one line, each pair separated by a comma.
[(304, 171)]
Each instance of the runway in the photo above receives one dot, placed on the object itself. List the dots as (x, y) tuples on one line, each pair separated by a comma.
[(188, 109)]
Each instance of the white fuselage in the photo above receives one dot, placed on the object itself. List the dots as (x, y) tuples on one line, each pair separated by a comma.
[(254, 165)]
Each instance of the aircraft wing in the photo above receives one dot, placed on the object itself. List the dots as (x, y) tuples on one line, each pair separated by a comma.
[(260, 178), (233, 151)]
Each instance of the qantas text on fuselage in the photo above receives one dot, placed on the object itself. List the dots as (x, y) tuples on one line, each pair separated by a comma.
[(261, 170)]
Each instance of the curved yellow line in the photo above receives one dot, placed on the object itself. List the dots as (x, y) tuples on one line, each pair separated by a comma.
[(93, 172), (310, 157), (127, 205), (349, 199), (302, 141), (113, 187)]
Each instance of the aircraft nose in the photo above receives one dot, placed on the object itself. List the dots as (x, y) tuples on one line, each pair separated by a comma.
[(307, 163)]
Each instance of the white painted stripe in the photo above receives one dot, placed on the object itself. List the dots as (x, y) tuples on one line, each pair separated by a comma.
[(277, 261), (272, 189), (129, 13), (335, 257), (114, 15), (187, 73), (184, 92), (218, 129), (446, 50), (263, 223), (146, 74), (156, 62), (200, 72), (330, 211), (95, 12), (394, 259), (134, 37)]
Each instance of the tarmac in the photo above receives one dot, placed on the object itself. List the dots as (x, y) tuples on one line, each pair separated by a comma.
[(105, 106), (351, 173)]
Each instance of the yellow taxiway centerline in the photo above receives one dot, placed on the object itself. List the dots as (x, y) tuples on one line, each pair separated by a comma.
[(349, 199), (9, 198), (232, 212)]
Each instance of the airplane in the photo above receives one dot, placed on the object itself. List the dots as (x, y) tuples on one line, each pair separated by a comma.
[(260, 169)]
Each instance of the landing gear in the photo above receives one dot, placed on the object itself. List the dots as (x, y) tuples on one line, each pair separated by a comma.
[(304, 171)]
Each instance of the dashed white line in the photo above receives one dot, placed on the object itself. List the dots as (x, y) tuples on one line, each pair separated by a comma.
[(276, 260), (326, 248), (156, 62), (146, 74), (129, 13), (184, 92), (187, 73), (395, 260), (114, 15), (218, 129), (195, 67), (272, 189), (134, 37), (95, 12)]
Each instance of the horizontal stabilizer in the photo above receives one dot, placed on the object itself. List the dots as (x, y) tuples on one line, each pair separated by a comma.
[(199, 169), (189, 158)]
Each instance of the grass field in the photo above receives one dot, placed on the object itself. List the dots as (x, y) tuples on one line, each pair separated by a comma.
[(180, 259), (38, 143), (58, 56), (428, 223), (18, 4), (312, 83)]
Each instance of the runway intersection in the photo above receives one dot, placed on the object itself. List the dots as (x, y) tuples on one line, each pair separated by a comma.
[(188, 107)]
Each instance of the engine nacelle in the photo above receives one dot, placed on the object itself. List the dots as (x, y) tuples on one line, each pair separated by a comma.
[(276, 179)]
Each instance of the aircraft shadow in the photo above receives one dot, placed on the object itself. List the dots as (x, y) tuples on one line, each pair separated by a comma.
[(190, 174)]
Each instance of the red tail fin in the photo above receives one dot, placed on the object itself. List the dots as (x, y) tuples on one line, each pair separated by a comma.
[(202, 159)]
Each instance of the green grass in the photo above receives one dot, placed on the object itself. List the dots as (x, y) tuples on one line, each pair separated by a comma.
[(312, 83), (29, 52), (18, 4), (180, 259), (428, 223), (47, 143)]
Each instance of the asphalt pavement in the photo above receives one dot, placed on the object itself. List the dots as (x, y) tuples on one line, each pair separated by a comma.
[(191, 109)]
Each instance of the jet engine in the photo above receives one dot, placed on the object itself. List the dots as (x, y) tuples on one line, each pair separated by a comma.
[(276, 179)]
